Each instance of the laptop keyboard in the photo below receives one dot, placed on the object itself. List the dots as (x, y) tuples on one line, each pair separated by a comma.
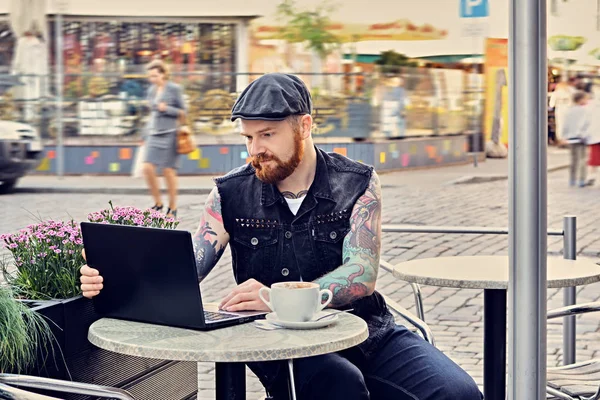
[(215, 316)]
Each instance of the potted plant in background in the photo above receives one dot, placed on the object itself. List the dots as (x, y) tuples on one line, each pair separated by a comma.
[(44, 275)]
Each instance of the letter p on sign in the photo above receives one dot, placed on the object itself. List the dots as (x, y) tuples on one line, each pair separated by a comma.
[(474, 8)]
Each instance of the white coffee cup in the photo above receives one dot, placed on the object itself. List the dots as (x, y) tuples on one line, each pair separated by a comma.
[(295, 301)]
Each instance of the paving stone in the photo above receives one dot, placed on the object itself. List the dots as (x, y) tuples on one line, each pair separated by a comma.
[(454, 315)]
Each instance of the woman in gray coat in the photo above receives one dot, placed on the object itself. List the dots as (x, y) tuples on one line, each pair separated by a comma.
[(166, 104)]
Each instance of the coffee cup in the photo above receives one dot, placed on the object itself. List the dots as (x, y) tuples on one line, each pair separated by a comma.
[(295, 301)]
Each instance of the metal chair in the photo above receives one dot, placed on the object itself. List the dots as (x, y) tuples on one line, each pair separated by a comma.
[(417, 321), (10, 392), (579, 381), (386, 266)]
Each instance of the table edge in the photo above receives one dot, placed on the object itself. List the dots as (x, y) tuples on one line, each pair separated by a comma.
[(479, 284), (245, 356)]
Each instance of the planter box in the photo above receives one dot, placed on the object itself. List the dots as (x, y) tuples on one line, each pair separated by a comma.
[(75, 358)]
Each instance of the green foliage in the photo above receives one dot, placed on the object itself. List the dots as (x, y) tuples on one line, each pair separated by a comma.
[(21, 332), (309, 26), (391, 58), (48, 255)]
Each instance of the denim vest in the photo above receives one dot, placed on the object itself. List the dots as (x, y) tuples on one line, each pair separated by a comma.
[(271, 244)]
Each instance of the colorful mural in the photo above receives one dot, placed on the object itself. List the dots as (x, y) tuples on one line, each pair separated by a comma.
[(219, 159)]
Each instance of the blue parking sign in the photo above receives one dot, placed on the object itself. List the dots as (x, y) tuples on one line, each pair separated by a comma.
[(474, 8)]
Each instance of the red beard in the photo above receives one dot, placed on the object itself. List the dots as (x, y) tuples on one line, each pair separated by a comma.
[(281, 170)]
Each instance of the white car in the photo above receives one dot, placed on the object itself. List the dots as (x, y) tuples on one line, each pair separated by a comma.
[(20, 152)]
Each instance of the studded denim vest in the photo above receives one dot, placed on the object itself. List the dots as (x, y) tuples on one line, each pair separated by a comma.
[(271, 244)]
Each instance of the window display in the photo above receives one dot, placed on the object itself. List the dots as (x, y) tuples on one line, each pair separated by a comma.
[(124, 46)]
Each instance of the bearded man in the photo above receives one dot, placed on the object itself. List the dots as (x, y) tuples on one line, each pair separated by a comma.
[(297, 213)]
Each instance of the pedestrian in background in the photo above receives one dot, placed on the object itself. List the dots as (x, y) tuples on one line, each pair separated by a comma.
[(166, 104), (561, 100), (593, 141), (576, 129)]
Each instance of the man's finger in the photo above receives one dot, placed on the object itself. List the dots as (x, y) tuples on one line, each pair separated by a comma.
[(239, 298), (86, 287), (89, 295), (83, 254), (245, 287), (91, 279), (228, 297), (85, 270), (247, 306)]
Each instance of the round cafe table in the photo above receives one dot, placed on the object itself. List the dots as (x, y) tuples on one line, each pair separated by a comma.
[(228, 347), (490, 273)]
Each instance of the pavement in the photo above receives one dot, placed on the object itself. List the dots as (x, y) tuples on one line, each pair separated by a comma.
[(443, 196)]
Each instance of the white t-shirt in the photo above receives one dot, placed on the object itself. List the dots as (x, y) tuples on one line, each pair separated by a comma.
[(295, 204)]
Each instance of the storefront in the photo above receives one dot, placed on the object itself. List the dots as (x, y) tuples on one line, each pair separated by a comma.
[(98, 38)]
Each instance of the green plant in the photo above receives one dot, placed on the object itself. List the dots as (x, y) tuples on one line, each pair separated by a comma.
[(391, 60), (309, 26), (21, 332), (133, 216), (47, 257)]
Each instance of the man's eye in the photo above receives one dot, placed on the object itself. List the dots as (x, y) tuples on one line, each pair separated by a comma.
[(267, 134)]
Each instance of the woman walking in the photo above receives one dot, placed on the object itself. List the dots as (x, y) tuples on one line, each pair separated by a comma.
[(166, 104)]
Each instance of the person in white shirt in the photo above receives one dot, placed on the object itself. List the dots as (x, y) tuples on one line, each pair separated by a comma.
[(593, 140), (575, 130), (561, 100)]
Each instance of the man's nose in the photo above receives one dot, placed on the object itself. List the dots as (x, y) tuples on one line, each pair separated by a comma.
[(256, 148)]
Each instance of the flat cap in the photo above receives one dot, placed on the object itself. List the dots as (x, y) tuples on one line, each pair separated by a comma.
[(273, 97)]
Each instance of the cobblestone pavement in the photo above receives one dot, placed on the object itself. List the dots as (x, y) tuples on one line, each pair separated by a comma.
[(455, 315)]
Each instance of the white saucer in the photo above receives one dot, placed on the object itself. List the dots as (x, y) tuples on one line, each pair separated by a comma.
[(272, 318)]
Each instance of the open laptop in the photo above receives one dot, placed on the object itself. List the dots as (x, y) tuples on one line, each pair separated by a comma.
[(150, 276)]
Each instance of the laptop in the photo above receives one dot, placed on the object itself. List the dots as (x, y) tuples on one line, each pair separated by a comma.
[(150, 276)]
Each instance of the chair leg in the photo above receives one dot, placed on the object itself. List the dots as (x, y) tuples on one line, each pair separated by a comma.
[(418, 301), (292, 383)]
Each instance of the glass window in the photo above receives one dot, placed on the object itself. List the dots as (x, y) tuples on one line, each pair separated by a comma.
[(128, 46)]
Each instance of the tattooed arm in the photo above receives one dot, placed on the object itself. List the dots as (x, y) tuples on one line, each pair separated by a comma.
[(356, 277), (211, 238)]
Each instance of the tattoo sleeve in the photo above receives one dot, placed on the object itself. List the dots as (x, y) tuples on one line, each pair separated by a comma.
[(356, 277), (211, 238)]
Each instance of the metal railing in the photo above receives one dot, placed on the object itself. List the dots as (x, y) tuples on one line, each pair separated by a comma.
[(569, 234)]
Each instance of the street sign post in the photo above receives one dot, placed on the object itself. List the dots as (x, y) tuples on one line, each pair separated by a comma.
[(474, 14)]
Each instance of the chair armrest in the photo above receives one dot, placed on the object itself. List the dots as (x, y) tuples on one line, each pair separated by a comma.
[(575, 309), (13, 393), (64, 386), (386, 266), (411, 318)]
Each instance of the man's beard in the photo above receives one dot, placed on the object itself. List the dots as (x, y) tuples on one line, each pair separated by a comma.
[(273, 174)]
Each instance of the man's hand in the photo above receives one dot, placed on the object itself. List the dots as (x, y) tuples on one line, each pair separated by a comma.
[(244, 298), (91, 281), (162, 106)]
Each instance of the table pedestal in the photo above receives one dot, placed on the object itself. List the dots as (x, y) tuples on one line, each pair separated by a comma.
[(230, 381), (494, 344)]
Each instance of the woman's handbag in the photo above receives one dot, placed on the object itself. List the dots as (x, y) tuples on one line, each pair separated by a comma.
[(138, 162), (185, 139)]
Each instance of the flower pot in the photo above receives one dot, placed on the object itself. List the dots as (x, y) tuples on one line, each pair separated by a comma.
[(75, 358)]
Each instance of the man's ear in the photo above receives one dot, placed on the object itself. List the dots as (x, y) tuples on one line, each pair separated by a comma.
[(306, 125)]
